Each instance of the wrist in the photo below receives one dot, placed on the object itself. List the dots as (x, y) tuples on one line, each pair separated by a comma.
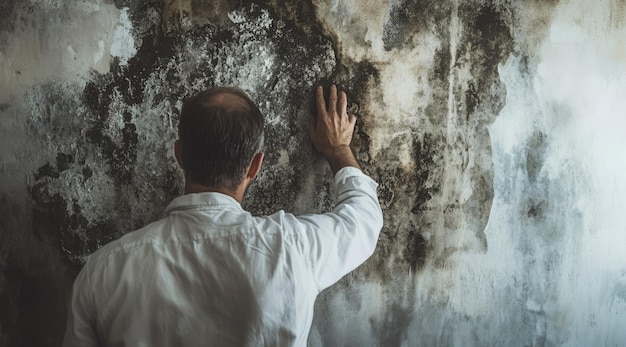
[(337, 152), (340, 157)]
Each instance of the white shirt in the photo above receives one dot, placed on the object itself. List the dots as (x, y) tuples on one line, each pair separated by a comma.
[(211, 274)]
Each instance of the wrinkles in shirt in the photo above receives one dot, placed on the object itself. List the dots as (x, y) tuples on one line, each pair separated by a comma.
[(212, 272)]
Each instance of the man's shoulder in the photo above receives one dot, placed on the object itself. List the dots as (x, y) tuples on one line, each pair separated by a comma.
[(127, 242)]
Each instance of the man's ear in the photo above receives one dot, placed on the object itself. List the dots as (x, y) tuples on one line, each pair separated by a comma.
[(255, 165), (178, 152)]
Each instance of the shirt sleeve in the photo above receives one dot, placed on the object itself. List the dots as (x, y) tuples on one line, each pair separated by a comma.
[(339, 241), (80, 330)]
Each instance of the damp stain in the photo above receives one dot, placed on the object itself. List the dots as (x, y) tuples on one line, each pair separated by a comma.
[(391, 329), (7, 12), (535, 155), (121, 120), (409, 17), (278, 51), (427, 153), (416, 250), (487, 44)]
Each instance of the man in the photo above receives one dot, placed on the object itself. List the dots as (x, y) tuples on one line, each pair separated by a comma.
[(211, 274)]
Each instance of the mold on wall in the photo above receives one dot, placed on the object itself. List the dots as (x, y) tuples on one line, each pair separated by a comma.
[(493, 127)]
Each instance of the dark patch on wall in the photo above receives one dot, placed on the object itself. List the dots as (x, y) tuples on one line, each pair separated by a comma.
[(535, 153), (471, 100), (46, 170), (120, 158), (354, 78), (108, 98), (490, 43), (485, 42), (211, 11), (78, 237), (35, 280), (409, 17), (64, 161), (7, 12), (391, 330), (416, 250), (299, 15), (426, 152), (440, 83), (536, 208)]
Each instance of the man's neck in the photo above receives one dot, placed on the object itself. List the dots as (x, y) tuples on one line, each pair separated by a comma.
[(191, 187)]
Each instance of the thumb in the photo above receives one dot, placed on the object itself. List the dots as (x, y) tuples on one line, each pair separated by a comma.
[(352, 119)]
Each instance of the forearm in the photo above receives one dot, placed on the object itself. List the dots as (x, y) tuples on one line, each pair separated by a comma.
[(340, 240), (341, 157)]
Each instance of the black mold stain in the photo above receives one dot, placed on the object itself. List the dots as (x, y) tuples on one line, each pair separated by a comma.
[(392, 329), (440, 83), (536, 208), (408, 17), (535, 155), (129, 81), (39, 302), (121, 159), (490, 43), (107, 98), (46, 170), (425, 152), (77, 236), (87, 172), (64, 161), (416, 250), (7, 14), (35, 280), (471, 99), (294, 15)]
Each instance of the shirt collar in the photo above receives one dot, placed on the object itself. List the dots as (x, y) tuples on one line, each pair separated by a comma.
[(202, 200)]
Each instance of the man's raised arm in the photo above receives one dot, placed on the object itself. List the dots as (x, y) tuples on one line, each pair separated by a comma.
[(342, 239)]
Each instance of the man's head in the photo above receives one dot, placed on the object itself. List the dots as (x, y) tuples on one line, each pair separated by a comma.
[(220, 132)]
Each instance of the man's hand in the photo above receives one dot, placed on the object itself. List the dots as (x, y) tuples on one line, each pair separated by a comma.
[(331, 131)]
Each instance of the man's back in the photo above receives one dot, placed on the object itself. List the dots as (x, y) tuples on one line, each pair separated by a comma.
[(212, 274)]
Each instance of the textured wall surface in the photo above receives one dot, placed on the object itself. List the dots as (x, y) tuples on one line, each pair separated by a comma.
[(495, 128)]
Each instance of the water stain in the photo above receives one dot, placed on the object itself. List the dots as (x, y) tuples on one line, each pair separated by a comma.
[(416, 250), (391, 329), (7, 14), (486, 43), (427, 154), (409, 17), (111, 137), (439, 78), (187, 45), (535, 155)]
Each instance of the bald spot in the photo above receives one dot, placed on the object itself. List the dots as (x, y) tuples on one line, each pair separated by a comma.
[(228, 101)]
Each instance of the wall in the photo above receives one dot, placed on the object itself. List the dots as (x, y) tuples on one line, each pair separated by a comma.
[(495, 128)]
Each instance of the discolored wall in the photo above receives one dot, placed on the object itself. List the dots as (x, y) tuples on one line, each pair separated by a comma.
[(495, 129)]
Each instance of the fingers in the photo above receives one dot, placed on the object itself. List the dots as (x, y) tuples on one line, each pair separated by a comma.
[(343, 104), (320, 101), (333, 127), (337, 102), (332, 99), (352, 120)]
